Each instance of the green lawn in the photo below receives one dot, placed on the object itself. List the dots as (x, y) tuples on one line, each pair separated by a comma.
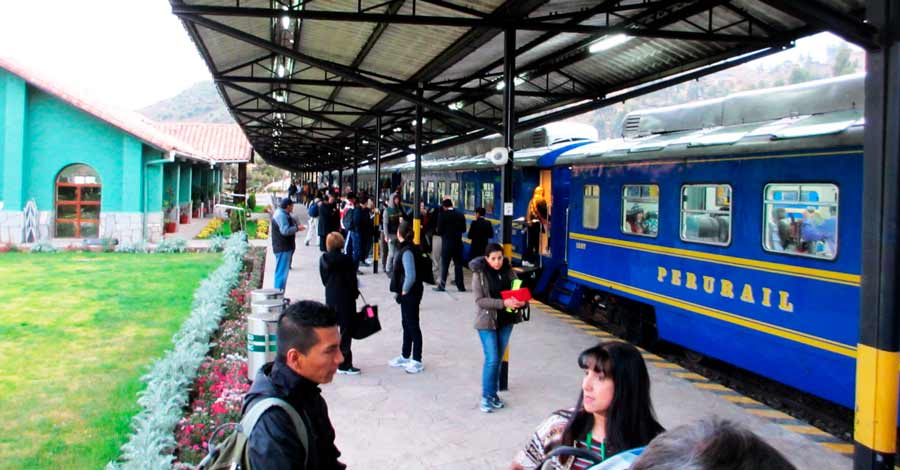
[(78, 330)]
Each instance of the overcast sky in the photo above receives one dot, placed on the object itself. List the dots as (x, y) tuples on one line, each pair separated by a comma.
[(129, 53), (133, 53)]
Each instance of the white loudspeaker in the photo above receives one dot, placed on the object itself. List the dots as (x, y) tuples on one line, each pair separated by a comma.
[(498, 156)]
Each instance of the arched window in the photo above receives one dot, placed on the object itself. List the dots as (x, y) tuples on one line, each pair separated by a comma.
[(78, 202)]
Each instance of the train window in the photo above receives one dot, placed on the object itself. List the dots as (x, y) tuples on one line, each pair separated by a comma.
[(470, 196), (640, 209), (706, 213), (487, 197), (454, 193), (429, 199), (590, 215), (441, 191), (801, 219)]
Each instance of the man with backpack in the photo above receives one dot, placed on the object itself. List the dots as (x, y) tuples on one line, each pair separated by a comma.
[(313, 212), (308, 356)]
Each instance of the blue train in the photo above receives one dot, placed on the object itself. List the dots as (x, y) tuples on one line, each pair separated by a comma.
[(731, 227)]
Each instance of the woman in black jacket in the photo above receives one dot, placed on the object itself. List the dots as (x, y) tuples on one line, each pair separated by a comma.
[(341, 289)]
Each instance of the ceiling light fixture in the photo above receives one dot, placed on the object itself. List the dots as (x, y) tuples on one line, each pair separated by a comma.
[(609, 42)]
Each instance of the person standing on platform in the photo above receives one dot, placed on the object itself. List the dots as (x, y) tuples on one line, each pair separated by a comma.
[(308, 356), (537, 221), (328, 219), (437, 242), (341, 290), (613, 413), (407, 284), (382, 237), (283, 241), (350, 221), (494, 317), (452, 226), (313, 212), (366, 228), (292, 191), (390, 223), (480, 232)]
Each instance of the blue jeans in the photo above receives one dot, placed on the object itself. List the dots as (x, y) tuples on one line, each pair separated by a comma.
[(493, 342), (353, 246), (282, 267)]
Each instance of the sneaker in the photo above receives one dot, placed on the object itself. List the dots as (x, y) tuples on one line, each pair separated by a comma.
[(438, 289), (414, 367), (496, 402), (398, 361), (486, 405), (349, 371)]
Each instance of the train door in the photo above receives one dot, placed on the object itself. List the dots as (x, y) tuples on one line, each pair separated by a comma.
[(559, 210), (546, 182)]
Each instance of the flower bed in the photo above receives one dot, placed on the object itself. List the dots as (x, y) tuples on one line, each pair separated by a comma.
[(222, 380), (257, 229), (211, 228), (171, 378)]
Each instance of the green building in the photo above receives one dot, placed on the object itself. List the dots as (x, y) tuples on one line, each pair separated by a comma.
[(96, 172)]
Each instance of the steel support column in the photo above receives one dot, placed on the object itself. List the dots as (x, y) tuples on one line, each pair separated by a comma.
[(376, 254), (509, 134), (341, 182), (417, 216), (875, 426)]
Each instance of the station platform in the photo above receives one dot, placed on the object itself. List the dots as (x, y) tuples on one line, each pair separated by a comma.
[(387, 419)]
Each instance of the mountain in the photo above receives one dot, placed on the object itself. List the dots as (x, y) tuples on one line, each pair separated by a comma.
[(199, 103)]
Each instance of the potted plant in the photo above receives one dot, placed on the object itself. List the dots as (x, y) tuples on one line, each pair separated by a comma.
[(184, 219), (196, 196), (169, 225)]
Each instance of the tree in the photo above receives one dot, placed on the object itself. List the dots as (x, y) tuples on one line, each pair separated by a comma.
[(843, 65), (800, 75)]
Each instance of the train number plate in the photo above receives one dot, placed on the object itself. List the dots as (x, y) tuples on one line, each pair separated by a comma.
[(581, 246)]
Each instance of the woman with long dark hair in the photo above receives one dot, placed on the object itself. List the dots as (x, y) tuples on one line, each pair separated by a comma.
[(494, 317), (613, 413)]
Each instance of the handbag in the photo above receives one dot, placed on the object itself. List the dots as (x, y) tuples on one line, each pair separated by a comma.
[(366, 322)]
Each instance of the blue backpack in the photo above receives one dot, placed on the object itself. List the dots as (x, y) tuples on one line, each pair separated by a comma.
[(313, 210)]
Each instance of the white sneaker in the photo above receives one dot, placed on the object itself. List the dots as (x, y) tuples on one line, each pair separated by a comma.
[(398, 361), (414, 367)]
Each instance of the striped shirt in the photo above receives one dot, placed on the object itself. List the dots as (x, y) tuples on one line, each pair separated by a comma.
[(582, 464)]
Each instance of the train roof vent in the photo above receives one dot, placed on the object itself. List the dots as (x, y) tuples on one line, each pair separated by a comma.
[(632, 125), (816, 97), (538, 138), (691, 116)]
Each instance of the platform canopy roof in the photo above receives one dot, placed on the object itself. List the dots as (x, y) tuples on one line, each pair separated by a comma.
[(308, 80)]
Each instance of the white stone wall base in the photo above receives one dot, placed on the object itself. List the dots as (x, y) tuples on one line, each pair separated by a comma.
[(11, 225), (124, 226)]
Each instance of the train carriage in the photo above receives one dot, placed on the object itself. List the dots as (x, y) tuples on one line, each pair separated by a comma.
[(736, 225)]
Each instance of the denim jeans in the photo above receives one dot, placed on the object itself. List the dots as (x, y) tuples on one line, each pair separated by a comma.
[(353, 246), (412, 332), (493, 342), (282, 267)]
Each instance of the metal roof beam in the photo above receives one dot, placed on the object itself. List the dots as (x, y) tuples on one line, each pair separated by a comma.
[(452, 21), (336, 69), (302, 112), (845, 26)]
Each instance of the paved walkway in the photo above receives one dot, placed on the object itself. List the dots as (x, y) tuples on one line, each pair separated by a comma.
[(386, 419)]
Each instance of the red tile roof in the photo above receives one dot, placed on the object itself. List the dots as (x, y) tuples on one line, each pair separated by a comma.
[(128, 121), (226, 143)]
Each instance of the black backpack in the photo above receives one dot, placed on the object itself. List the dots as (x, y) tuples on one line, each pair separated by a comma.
[(231, 454)]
